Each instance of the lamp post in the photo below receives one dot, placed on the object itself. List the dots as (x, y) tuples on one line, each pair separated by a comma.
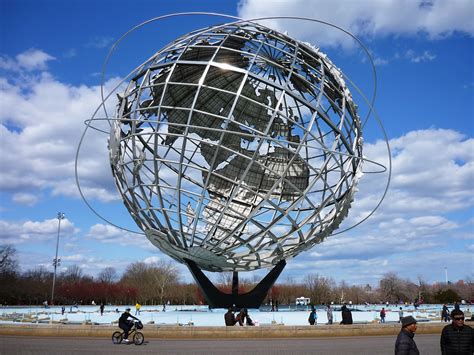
[(56, 261)]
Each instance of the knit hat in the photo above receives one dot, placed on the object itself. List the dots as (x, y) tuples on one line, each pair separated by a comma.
[(406, 321)]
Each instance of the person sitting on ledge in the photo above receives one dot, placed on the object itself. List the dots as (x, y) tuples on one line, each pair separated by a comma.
[(243, 316), (229, 317)]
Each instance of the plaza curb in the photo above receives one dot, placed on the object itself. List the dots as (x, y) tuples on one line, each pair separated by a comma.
[(216, 332)]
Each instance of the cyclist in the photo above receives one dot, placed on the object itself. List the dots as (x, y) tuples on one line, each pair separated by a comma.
[(126, 324)]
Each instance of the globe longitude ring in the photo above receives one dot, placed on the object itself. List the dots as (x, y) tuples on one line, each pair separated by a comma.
[(236, 146)]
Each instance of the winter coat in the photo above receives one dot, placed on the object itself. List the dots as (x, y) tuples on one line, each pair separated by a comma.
[(457, 340), (241, 318), (229, 318), (405, 345), (124, 318), (312, 317), (346, 315)]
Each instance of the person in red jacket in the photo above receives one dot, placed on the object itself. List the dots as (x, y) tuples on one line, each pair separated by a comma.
[(382, 315)]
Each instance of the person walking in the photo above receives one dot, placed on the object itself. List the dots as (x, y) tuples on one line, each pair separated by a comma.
[(346, 315), (313, 317), (229, 317), (101, 308), (400, 315), (457, 338), (445, 313), (329, 314), (382, 315), (137, 308), (405, 345)]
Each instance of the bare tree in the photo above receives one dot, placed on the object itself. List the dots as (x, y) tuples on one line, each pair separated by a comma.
[(165, 276), (36, 284), (108, 275), (73, 274), (8, 259), (139, 276), (393, 289), (8, 274), (320, 288)]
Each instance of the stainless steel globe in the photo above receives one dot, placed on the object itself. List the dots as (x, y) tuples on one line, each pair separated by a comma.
[(236, 147)]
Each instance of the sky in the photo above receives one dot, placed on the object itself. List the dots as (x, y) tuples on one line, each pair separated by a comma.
[(51, 59)]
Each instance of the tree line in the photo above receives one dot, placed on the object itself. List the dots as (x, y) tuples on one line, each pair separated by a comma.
[(160, 283)]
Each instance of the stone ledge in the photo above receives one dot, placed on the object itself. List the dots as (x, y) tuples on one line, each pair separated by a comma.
[(221, 332)]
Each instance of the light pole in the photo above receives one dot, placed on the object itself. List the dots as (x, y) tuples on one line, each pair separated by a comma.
[(56, 261)]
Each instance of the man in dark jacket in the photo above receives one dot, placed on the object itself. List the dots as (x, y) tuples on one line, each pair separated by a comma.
[(125, 324), (312, 316), (457, 338), (405, 345), (346, 315), (229, 317)]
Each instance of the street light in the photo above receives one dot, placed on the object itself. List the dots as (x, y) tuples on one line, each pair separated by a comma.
[(56, 261)]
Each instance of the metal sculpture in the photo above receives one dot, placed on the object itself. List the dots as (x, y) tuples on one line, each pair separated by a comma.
[(235, 148)]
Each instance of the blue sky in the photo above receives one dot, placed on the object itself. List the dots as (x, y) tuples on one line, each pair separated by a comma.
[(51, 57)]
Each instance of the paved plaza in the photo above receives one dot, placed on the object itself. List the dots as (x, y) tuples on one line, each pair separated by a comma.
[(427, 344)]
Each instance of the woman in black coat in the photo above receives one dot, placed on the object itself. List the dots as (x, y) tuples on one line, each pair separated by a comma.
[(346, 315)]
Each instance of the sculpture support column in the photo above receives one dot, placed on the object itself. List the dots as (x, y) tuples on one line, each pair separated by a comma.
[(218, 299)]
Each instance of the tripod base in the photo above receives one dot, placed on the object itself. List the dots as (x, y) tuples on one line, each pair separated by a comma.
[(218, 299)]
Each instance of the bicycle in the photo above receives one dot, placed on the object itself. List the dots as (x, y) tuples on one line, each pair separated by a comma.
[(138, 337)]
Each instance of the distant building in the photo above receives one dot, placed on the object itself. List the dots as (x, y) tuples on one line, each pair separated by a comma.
[(303, 301)]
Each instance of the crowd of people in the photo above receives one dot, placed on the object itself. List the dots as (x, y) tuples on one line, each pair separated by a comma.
[(456, 337)]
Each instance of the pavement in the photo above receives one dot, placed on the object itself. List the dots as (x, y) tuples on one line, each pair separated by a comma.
[(216, 332), (370, 345)]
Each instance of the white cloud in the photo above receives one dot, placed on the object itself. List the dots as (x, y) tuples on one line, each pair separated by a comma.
[(32, 59), (367, 18), (100, 42), (23, 198), (109, 234), (41, 134), (425, 213), (379, 61), (431, 173), (152, 260), (70, 53), (34, 231), (414, 57)]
